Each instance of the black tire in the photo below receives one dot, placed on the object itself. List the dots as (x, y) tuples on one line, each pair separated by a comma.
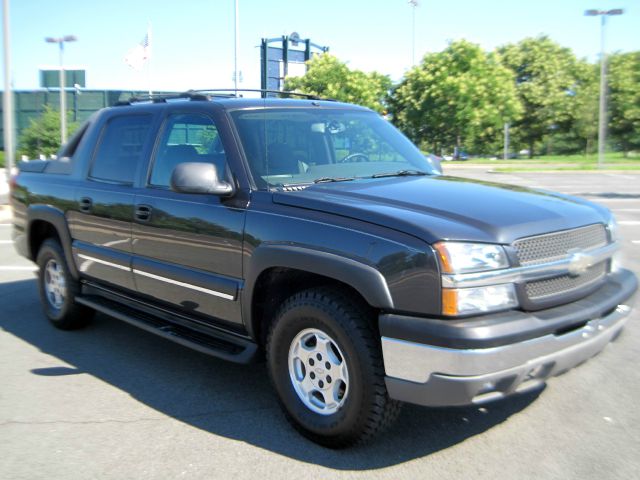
[(61, 310), (366, 409)]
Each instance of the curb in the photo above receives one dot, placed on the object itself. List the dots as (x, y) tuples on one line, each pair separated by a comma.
[(572, 172)]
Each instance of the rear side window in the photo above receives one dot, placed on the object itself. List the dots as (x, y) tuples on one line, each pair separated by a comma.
[(120, 149)]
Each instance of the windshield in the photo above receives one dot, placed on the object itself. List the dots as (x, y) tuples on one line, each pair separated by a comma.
[(300, 146)]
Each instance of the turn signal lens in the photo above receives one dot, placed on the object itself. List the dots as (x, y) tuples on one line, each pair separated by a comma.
[(467, 301)]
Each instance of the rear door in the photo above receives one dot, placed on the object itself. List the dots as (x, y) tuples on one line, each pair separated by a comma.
[(188, 248), (101, 221)]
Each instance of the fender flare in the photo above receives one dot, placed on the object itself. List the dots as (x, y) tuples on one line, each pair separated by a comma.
[(55, 217), (365, 279)]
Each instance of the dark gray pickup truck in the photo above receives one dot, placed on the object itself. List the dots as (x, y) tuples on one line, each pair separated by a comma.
[(315, 234)]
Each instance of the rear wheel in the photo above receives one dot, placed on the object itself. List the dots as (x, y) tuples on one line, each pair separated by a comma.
[(58, 289), (325, 363)]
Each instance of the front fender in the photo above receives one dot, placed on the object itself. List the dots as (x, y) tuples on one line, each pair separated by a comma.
[(368, 281)]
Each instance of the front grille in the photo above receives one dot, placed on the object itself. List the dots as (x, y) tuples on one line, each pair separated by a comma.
[(550, 287), (558, 245)]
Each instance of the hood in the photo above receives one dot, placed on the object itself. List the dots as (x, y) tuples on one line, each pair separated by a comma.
[(436, 208)]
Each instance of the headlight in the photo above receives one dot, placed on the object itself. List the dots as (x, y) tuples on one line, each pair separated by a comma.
[(466, 301), (456, 257), (612, 227), (459, 258)]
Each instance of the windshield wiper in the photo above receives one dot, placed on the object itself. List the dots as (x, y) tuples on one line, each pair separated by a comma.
[(399, 173), (332, 179)]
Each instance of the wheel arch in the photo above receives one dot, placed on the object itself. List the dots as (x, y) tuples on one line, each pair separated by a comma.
[(44, 222), (278, 271)]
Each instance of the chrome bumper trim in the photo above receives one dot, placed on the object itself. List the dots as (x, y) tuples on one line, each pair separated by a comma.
[(566, 266), (416, 362)]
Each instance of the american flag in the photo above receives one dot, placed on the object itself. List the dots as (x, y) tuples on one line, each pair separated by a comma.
[(141, 53)]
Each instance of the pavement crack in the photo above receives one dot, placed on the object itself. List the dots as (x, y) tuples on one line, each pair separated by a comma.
[(137, 420), (77, 422)]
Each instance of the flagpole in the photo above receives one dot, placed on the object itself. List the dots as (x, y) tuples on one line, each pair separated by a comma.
[(149, 58), (235, 47)]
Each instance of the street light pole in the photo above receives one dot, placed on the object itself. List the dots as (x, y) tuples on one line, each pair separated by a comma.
[(7, 97), (63, 100), (414, 4), (602, 113)]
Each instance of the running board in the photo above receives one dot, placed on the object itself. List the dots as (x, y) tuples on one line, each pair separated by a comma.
[(217, 344)]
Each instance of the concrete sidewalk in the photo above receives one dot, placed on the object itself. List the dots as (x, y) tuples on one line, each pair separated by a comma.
[(4, 189)]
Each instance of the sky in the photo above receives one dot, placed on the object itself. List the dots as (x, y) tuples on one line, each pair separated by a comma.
[(192, 40)]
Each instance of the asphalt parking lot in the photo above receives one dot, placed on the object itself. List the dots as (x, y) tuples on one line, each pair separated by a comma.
[(111, 401)]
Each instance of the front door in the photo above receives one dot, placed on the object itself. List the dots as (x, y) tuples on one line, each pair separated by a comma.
[(188, 248)]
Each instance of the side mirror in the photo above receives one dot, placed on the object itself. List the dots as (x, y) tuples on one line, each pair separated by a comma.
[(435, 162), (193, 177)]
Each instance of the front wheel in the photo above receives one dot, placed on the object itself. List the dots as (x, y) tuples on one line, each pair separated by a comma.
[(325, 363)]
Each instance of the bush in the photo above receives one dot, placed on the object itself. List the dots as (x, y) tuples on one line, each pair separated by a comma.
[(42, 136)]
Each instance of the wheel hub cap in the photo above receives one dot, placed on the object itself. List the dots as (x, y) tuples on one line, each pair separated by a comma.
[(318, 371), (55, 285)]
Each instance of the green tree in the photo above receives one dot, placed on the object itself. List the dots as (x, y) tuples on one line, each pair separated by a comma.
[(42, 136), (330, 78), (624, 87), (461, 96), (585, 106), (580, 132), (545, 80)]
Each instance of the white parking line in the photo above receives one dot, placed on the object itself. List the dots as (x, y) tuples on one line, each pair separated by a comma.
[(19, 268), (626, 209), (637, 242), (629, 222), (5, 242), (5, 224), (605, 199), (619, 175)]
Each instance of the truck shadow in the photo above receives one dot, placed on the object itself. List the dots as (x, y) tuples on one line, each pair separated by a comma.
[(233, 401)]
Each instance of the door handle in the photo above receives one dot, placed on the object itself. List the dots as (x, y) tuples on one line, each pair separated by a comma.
[(86, 204), (143, 212)]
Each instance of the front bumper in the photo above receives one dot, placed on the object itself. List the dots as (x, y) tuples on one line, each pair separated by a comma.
[(483, 359)]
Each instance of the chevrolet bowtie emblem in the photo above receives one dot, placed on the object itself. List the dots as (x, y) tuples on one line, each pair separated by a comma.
[(579, 263)]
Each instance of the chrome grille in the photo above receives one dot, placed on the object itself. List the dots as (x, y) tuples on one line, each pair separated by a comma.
[(550, 287), (558, 245)]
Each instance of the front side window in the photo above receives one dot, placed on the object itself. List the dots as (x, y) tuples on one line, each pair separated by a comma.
[(121, 148), (187, 138), (305, 145)]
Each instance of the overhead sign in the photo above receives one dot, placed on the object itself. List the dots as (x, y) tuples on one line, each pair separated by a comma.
[(285, 56), (50, 78)]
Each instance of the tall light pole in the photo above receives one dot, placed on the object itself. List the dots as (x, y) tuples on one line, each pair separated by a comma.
[(602, 114), (414, 4), (7, 97), (63, 100)]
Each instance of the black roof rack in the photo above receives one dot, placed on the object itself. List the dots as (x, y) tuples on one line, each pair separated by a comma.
[(208, 94), (162, 98), (235, 92)]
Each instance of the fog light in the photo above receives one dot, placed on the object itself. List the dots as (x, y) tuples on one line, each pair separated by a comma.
[(466, 301)]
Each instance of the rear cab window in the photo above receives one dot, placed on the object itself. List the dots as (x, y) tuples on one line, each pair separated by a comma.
[(121, 149)]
